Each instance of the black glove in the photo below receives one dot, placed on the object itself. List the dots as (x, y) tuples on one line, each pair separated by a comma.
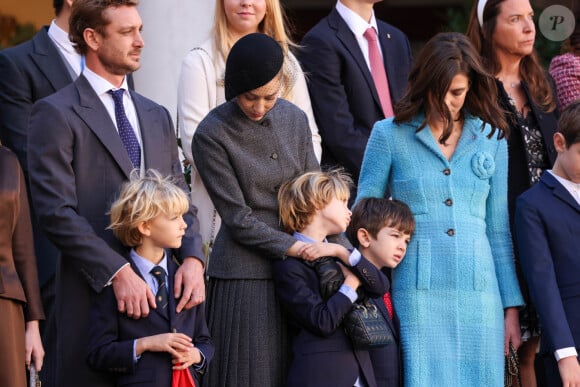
[(330, 275)]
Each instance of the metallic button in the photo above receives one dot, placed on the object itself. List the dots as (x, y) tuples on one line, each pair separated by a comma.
[(451, 232), (447, 171), (449, 202), (274, 156)]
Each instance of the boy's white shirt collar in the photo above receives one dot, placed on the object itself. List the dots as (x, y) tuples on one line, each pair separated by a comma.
[(573, 188)]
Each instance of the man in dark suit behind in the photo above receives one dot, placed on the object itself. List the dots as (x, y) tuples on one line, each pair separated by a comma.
[(346, 103), (79, 161), (547, 230), (28, 72)]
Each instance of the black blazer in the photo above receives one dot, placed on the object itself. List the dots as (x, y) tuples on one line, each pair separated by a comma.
[(386, 360), (323, 354), (111, 336), (344, 98)]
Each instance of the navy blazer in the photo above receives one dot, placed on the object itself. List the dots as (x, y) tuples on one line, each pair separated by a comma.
[(344, 98), (547, 228), (111, 337), (323, 354), (386, 360), (29, 72)]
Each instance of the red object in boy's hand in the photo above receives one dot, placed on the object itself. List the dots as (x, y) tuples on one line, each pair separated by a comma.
[(182, 378)]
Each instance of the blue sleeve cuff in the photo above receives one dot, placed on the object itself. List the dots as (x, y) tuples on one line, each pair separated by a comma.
[(201, 365), (354, 257), (349, 292), (135, 357)]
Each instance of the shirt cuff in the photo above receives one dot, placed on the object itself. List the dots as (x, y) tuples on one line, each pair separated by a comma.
[(565, 352), (110, 282), (349, 292), (135, 357), (354, 257), (201, 365)]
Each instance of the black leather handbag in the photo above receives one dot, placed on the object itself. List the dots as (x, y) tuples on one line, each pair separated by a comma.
[(366, 326)]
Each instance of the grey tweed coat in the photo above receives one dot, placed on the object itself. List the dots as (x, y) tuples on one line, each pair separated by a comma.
[(242, 164)]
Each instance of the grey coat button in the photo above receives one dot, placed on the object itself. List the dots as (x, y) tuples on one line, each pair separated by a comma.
[(451, 232)]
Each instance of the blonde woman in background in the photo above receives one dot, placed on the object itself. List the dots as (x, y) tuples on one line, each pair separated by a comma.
[(201, 85)]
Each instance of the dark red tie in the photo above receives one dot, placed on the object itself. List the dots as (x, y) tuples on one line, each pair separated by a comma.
[(388, 303), (378, 72)]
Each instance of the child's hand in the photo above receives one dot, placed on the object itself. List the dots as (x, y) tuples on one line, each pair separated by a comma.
[(312, 251), (350, 279), (172, 343), (185, 359)]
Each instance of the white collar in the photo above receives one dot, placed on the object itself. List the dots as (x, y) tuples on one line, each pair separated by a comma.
[(573, 188), (100, 85), (60, 37), (354, 21)]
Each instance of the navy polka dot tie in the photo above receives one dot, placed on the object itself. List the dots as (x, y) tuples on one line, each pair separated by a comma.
[(161, 297), (126, 131)]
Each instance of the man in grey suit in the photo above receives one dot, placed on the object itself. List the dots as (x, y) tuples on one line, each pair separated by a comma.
[(80, 155), (28, 72)]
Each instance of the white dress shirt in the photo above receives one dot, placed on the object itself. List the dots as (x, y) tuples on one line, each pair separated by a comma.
[(358, 26), (60, 38)]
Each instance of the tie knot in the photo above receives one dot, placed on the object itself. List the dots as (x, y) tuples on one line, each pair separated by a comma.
[(117, 94), (370, 34), (159, 273)]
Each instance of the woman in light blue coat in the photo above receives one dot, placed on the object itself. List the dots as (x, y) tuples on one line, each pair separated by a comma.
[(444, 154)]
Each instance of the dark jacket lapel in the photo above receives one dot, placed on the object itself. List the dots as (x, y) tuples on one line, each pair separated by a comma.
[(93, 113), (559, 190), (49, 60), (345, 35)]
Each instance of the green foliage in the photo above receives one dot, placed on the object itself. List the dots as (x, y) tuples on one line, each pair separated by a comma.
[(22, 33)]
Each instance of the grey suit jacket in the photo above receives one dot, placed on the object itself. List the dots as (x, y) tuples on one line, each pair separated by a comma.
[(79, 164)]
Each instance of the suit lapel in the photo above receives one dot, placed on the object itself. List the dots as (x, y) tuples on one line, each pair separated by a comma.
[(383, 309), (468, 139), (345, 35), (93, 113), (559, 190), (152, 134), (49, 61)]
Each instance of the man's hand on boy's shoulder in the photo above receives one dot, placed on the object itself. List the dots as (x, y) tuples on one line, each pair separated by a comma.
[(189, 284)]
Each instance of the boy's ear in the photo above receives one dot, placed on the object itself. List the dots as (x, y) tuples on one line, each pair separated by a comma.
[(144, 228), (559, 142), (363, 236)]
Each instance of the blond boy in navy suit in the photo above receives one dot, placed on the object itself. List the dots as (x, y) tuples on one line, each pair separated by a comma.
[(148, 217)]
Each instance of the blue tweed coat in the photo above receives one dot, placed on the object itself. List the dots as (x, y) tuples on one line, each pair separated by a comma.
[(458, 274)]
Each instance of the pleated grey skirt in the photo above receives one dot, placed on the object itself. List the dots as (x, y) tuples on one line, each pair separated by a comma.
[(249, 332)]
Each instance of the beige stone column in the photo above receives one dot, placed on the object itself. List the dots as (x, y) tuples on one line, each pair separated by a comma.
[(170, 29)]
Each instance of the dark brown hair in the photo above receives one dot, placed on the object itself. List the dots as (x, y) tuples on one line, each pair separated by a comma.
[(530, 69), (443, 57), (374, 214), (90, 14), (569, 123)]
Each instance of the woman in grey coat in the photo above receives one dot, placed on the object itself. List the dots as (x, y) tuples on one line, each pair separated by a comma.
[(244, 150)]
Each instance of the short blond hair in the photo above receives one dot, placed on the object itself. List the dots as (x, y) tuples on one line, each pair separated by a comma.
[(274, 25), (142, 199), (301, 197)]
